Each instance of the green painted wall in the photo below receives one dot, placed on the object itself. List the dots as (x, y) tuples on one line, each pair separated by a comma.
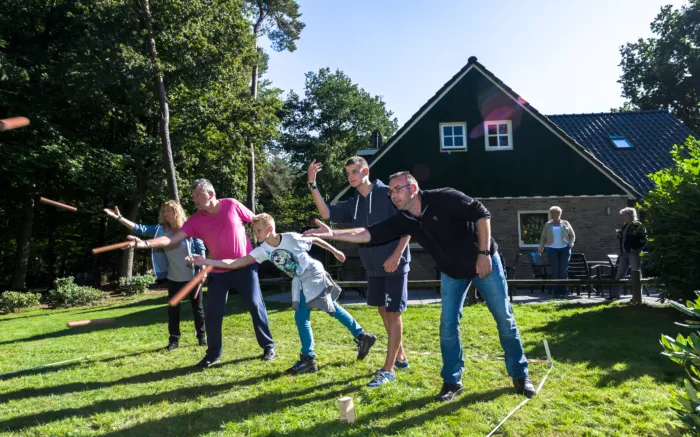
[(540, 164)]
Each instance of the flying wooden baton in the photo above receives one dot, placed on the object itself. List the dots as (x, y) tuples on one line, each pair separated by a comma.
[(57, 204), (184, 291), (13, 123), (89, 322), (110, 247)]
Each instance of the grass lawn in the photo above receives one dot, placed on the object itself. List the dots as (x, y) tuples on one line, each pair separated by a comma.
[(609, 377)]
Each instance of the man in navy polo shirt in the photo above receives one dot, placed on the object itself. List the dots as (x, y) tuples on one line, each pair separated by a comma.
[(455, 229)]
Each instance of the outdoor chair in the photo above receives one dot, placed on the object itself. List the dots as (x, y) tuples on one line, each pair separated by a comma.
[(539, 270)]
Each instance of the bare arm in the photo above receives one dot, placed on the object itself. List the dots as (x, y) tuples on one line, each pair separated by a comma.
[(403, 243), (356, 235), (232, 264), (324, 244), (483, 262), (159, 242), (483, 227), (116, 215), (313, 169), (392, 263), (321, 204)]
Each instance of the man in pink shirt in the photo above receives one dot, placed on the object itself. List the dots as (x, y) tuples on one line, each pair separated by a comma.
[(220, 223)]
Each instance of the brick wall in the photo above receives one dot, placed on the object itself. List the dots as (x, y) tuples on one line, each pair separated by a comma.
[(594, 228)]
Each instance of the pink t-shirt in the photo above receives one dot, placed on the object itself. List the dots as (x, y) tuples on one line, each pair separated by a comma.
[(223, 232)]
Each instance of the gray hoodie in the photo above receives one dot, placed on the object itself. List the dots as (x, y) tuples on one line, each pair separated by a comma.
[(363, 212)]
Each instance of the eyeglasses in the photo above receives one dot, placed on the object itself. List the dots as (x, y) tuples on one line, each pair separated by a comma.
[(396, 190)]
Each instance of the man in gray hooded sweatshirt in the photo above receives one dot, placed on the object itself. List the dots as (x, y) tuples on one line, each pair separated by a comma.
[(387, 265)]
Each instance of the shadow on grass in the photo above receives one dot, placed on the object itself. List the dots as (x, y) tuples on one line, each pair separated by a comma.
[(44, 313), (200, 421), (397, 427), (608, 336), (136, 379), (135, 319), (59, 367)]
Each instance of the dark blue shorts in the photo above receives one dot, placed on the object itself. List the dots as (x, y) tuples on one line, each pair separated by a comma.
[(388, 291)]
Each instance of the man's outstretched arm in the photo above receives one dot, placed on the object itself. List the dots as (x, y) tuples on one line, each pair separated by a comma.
[(356, 235)]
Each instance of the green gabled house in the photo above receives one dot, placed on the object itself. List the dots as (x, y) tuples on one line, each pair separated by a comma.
[(479, 136)]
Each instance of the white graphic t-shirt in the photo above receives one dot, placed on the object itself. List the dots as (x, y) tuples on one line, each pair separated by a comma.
[(290, 256)]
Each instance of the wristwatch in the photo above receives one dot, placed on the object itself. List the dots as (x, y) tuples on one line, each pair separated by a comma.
[(312, 185), (484, 252)]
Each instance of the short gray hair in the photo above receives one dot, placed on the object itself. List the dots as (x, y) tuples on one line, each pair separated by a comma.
[(555, 208), (204, 184), (631, 212)]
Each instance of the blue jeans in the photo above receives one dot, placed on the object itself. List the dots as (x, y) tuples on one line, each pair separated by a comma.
[(559, 263), (246, 282), (493, 289), (302, 316)]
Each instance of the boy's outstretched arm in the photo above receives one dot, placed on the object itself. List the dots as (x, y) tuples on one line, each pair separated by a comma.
[(340, 256), (232, 264)]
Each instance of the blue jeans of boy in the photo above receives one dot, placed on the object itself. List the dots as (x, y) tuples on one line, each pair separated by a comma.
[(493, 289), (302, 316)]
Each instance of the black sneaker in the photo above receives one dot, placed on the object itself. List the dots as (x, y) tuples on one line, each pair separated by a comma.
[(524, 387), (449, 392), (364, 342), (203, 341), (207, 362), (305, 364), (172, 346), (268, 354)]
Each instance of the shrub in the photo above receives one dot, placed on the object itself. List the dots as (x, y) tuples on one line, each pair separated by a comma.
[(685, 351), (135, 284), (12, 301), (69, 294), (670, 211)]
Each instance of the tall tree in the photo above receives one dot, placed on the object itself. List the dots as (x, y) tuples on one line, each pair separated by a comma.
[(81, 72), (164, 124), (279, 20), (663, 72), (333, 120)]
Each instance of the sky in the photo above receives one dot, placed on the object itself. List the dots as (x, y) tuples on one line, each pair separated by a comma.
[(561, 56)]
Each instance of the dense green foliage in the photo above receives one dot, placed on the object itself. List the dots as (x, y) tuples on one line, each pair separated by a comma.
[(670, 211), (135, 284), (68, 294), (663, 72), (12, 301), (685, 351)]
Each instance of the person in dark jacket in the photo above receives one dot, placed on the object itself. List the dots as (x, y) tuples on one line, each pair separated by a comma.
[(633, 239), (386, 264), (456, 230), (170, 263)]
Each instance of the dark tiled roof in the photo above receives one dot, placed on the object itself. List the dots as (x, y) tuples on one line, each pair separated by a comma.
[(652, 135)]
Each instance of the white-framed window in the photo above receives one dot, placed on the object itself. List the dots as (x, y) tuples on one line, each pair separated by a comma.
[(498, 135), (530, 225), (453, 136)]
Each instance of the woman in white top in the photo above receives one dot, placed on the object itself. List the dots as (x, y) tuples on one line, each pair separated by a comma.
[(558, 238)]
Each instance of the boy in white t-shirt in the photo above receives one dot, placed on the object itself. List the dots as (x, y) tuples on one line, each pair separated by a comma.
[(312, 286)]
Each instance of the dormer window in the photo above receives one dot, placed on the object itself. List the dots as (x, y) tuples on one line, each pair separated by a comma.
[(620, 142)]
